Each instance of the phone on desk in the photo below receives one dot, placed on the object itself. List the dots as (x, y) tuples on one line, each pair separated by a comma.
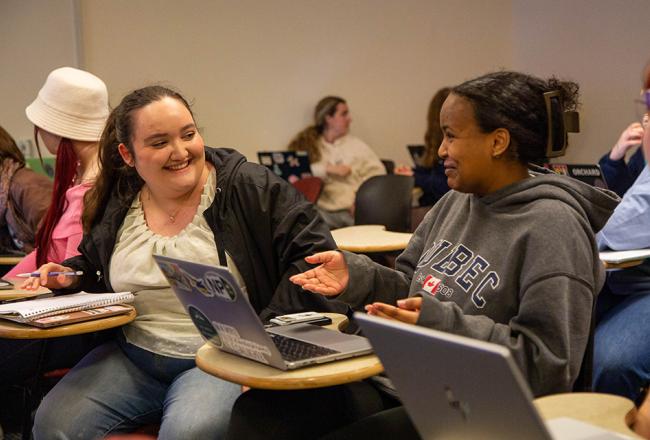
[(303, 317)]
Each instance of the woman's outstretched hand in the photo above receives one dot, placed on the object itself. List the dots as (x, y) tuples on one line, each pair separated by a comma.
[(329, 279)]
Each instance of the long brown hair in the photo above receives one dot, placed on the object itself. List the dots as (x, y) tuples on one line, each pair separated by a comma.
[(9, 149), (308, 139), (114, 175), (433, 136)]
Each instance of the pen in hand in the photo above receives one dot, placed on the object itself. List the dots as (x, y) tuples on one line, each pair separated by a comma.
[(50, 274)]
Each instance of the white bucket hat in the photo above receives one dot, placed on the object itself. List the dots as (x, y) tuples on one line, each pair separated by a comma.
[(72, 103)]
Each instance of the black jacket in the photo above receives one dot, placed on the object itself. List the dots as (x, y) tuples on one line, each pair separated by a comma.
[(261, 221)]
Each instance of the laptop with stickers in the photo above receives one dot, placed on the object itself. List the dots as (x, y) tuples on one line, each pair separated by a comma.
[(455, 387), (290, 165), (224, 317)]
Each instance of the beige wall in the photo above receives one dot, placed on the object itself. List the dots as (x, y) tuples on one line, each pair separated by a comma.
[(601, 44), (256, 68), (36, 36)]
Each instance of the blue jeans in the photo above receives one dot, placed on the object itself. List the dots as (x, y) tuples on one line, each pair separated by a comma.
[(622, 346), (119, 387)]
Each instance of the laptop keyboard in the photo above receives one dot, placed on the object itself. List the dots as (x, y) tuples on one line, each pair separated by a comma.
[(296, 350)]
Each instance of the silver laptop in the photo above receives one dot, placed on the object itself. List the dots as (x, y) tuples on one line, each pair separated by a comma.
[(225, 318), (454, 387)]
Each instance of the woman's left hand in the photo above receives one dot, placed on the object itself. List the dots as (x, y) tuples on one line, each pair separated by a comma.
[(407, 310)]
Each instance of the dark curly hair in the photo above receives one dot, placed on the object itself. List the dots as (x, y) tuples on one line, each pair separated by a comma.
[(515, 101)]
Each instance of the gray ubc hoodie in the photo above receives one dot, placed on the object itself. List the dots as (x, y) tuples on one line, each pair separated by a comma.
[(518, 267)]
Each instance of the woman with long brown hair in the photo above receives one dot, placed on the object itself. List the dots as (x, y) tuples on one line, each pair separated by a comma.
[(343, 161), (161, 191), (429, 173)]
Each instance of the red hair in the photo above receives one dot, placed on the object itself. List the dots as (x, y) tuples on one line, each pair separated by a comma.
[(64, 173)]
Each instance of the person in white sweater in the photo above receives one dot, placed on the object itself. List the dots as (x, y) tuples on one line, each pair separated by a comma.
[(343, 161)]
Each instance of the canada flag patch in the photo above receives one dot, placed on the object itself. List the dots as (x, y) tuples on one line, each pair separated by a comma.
[(430, 284)]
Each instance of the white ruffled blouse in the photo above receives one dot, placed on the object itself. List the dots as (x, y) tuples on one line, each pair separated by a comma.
[(162, 325)]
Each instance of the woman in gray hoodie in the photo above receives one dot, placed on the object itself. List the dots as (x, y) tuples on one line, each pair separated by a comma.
[(508, 256)]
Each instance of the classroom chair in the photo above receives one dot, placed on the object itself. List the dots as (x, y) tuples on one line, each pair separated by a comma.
[(389, 165), (385, 200), (310, 187)]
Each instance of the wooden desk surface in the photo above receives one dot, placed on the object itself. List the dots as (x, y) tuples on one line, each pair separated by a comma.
[(17, 292), (9, 260), (14, 330), (256, 375), (623, 264), (623, 259), (605, 410), (370, 238)]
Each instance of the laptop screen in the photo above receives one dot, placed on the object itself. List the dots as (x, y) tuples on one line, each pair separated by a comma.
[(417, 153), (290, 165)]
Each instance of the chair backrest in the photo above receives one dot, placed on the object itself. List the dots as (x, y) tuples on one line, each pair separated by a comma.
[(385, 200), (310, 187), (389, 165)]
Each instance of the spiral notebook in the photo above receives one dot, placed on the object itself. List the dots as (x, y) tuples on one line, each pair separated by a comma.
[(35, 311)]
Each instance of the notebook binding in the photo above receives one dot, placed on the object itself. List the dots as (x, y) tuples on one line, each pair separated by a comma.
[(51, 311)]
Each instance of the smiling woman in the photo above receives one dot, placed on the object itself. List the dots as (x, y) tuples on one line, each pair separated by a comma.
[(162, 191), (479, 265), (168, 154)]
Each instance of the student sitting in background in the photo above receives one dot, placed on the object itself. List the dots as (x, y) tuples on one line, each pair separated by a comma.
[(68, 114), (24, 198), (480, 265), (343, 161), (430, 173), (619, 174), (621, 345), (162, 191)]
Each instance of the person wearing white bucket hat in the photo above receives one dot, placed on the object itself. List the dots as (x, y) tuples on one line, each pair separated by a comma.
[(69, 114)]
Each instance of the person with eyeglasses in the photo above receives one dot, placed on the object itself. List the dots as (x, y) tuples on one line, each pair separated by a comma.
[(619, 173), (621, 344)]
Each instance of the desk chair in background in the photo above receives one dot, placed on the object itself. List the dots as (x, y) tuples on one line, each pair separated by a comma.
[(385, 200), (389, 165)]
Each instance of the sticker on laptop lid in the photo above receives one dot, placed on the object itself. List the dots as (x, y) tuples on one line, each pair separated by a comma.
[(204, 326), (234, 342)]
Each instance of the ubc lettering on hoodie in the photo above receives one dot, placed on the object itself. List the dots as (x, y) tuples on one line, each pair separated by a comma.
[(445, 268)]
